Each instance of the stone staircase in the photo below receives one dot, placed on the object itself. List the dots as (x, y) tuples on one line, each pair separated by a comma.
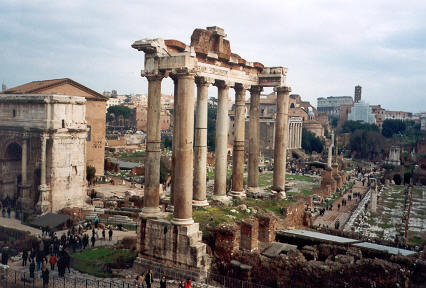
[(91, 214), (121, 219)]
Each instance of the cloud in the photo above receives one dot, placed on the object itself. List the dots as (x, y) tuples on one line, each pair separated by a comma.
[(328, 46)]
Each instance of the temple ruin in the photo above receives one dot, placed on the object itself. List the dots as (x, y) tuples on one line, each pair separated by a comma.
[(208, 60)]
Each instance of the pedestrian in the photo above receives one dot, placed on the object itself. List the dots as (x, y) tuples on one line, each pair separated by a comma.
[(163, 282), (181, 284), (188, 283), (110, 233), (8, 212), (39, 259), (103, 233), (24, 257), (45, 276), (96, 220), (149, 279), (4, 256), (93, 239), (140, 281), (3, 212), (52, 262), (32, 267)]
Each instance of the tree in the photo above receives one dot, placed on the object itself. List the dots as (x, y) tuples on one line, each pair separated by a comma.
[(211, 123), (117, 110), (166, 141), (392, 126), (310, 142), (90, 173), (351, 126), (367, 144), (164, 170)]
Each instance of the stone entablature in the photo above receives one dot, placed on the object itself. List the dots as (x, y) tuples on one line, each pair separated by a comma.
[(43, 151)]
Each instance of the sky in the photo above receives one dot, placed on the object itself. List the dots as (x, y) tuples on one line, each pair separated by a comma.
[(329, 46)]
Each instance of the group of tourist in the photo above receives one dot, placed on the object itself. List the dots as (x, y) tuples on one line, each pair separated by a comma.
[(145, 280)]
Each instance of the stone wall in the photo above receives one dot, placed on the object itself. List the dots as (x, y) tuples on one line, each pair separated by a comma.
[(295, 215)]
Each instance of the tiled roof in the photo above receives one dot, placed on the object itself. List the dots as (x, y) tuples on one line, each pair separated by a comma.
[(36, 87)]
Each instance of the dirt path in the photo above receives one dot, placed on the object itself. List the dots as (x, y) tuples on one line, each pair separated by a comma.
[(330, 217)]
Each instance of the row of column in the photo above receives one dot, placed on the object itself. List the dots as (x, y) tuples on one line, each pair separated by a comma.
[(295, 135), (188, 176)]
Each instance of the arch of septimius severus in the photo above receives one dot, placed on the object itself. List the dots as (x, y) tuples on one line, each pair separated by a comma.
[(208, 60)]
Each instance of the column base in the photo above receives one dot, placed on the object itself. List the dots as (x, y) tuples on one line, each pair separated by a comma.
[(253, 190), (43, 206), (238, 194), (221, 198), (151, 212), (200, 203), (180, 222)]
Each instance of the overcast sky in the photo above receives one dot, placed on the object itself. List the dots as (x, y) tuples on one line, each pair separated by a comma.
[(328, 46)]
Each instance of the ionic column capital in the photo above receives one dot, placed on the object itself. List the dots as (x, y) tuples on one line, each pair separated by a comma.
[(256, 89), (284, 89), (153, 76), (203, 81), (241, 88), (222, 84)]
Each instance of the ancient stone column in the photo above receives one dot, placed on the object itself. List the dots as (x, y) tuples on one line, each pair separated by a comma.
[(43, 139), (221, 141), (238, 149), (182, 214), (24, 161), (153, 149), (280, 137), (253, 161), (290, 136), (299, 135), (374, 199), (200, 147), (170, 207)]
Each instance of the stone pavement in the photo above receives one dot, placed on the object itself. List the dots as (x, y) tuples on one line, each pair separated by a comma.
[(330, 217)]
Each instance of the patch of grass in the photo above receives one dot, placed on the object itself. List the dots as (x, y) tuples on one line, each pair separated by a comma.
[(307, 192), (268, 205), (93, 261), (216, 215), (300, 178), (265, 179), (417, 240)]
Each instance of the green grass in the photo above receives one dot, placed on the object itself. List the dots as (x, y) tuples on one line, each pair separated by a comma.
[(92, 261), (417, 240), (268, 205), (265, 179), (386, 225), (300, 178), (215, 215)]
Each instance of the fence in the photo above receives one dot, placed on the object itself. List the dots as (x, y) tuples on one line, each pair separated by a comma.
[(10, 278)]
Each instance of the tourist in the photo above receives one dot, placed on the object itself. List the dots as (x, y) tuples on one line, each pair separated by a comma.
[(24, 257), (110, 234), (3, 212), (93, 239), (45, 276), (188, 283), (140, 281), (163, 282), (4, 256), (52, 262), (103, 233), (32, 267), (39, 259), (8, 212), (149, 279), (61, 267), (181, 284), (96, 220)]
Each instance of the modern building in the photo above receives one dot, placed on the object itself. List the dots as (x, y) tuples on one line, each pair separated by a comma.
[(357, 96), (95, 113), (331, 105), (361, 111)]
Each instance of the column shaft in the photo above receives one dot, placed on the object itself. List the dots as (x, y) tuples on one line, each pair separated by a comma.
[(281, 137), (200, 147), (238, 149), (153, 149), (253, 161), (43, 161), (24, 162), (182, 214), (221, 142), (174, 140)]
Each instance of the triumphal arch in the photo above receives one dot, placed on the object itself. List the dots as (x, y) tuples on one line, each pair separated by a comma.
[(208, 60), (42, 151)]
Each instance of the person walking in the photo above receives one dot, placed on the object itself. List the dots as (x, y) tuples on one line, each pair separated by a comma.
[(45, 276), (93, 239), (140, 281), (24, 257), (149, 279), (181, 284), (8, 212), (188, 283), (32, 268), (110, 233), (52, 262), (103, 233), (163, 282)]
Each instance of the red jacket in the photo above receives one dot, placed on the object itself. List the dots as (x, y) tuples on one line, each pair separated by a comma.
[(52, 260)]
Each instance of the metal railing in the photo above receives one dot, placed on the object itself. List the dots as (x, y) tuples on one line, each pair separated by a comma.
[(10, 278)]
